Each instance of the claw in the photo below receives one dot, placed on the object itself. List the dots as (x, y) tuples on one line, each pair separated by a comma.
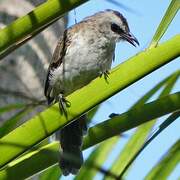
[(106, 75), (63, 104)]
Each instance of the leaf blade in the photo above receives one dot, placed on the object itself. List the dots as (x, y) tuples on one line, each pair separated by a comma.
[(165, 22), (96, 159), (11, 123), (164, 168), (29, 158), (51, 173)]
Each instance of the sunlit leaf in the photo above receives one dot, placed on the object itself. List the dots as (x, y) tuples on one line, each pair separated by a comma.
[(168, 82), (48, 155), (164, 125), (132, 149), (11, 123), (92, 113), (29, 164), (96, 159), (165, 22), (52, 172), (135, 142), (168, 162)]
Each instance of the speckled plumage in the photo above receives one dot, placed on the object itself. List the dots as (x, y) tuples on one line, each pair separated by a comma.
[(85, 52)]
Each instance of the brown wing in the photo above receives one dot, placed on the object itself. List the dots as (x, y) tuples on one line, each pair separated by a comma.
[(56, 61)]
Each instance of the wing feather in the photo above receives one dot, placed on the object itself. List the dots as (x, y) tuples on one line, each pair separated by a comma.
[(56, 61)]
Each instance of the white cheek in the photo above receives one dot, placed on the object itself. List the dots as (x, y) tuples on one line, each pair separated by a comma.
[(116, 37)]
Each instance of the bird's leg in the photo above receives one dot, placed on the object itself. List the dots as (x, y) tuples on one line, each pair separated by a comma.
[(63, 104), (105, 74)]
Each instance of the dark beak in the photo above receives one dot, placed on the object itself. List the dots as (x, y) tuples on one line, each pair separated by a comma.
[(131, 39)]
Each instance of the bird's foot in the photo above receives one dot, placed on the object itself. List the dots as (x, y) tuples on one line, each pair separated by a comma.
[(106, 75), (63, 104)]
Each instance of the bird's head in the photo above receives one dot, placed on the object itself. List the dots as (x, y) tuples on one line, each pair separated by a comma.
[(114, 26)]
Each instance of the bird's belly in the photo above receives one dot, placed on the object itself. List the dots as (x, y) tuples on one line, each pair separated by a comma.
[(76, 73), (82, 64)]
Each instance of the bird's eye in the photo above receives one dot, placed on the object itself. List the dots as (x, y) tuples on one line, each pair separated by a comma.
[(115, 28)]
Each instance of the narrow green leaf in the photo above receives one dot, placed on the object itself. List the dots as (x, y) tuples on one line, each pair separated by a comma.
[(132, 146), (169, 161), (164, 125), (96, 159), (132, 118), (128, 120), (52, 172), (47, 122), (165, 22), (11, 123), (92, 113), (125, 164), (28, 164), (130, 150), (168, 82)]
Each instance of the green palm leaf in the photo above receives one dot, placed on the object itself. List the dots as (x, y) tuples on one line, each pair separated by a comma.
[(169, 161), (12, 122), (47, 156), (96, 159), (140, 135), (51, 173), (168, 17), (137, 142)]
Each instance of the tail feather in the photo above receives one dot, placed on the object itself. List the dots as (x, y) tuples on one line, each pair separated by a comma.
[(71, 142)]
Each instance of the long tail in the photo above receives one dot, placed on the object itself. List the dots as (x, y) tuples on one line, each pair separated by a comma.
[(71, 137)]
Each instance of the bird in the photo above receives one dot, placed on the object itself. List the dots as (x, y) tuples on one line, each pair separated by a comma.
[(84, 52)]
